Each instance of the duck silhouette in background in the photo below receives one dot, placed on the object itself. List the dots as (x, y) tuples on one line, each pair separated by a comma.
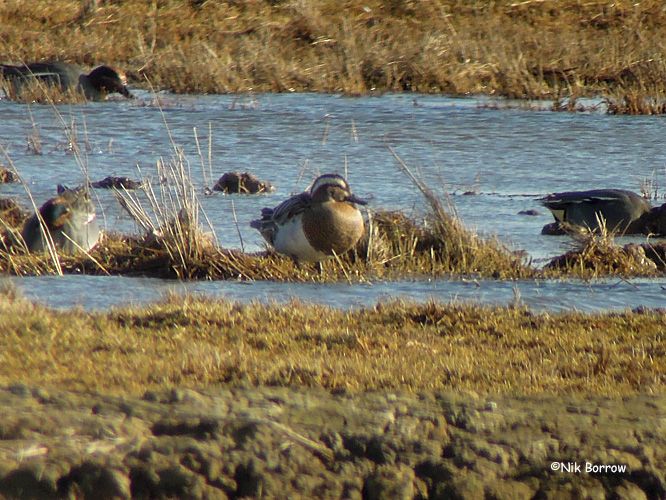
[(95, 86), (620, 211)]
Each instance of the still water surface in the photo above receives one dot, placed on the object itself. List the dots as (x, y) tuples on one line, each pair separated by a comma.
[(507, 156)]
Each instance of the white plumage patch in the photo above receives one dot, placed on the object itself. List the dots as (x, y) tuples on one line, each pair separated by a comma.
[(290, 240), (558, 214)]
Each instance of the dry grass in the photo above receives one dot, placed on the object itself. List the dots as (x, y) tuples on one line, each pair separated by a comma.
[(395, 346), (12, 215), (395, 246), (597, 255), (36, 91), (531, 49), (638, 100), (174, 245), (171, 217), (399, 248)]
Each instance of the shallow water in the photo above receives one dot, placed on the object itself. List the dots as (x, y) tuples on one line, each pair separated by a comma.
[(102, 292), (508, 156)]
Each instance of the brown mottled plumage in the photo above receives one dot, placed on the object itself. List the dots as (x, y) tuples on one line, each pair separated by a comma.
[(313, 225)]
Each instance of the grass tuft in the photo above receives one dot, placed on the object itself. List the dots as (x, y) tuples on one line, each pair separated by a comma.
[(597, 256), (36, 91), (169, 216), (638, 100)]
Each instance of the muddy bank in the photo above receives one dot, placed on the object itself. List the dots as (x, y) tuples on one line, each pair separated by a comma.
[(282, 442)]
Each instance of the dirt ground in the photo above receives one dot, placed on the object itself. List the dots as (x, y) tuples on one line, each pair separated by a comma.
[(310, 443)]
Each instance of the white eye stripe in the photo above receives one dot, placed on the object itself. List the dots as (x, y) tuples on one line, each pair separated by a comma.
[(329, 185), (329, 180)]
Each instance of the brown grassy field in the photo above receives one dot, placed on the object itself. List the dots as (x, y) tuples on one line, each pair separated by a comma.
[(396, 346), (528, 49)]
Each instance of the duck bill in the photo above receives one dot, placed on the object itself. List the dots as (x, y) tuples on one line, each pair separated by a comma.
[(355, 199), (124, 91), (121, 85), (111, 85)]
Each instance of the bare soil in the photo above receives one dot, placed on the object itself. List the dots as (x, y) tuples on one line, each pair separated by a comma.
[(233, 442)]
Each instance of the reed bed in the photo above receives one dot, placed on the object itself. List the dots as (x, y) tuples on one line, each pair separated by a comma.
[(184, 342), (174, 242), (638, 100), (530, 49), (175, 246), (171, 218), (398, 248)]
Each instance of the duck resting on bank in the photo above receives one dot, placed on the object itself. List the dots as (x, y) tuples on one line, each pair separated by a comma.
[(70, 220), (313, 225), (619, 211)]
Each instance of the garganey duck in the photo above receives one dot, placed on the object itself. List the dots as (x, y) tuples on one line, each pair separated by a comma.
[(313, 225)]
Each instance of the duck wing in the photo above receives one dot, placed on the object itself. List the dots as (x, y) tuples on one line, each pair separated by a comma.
[(271, 218)]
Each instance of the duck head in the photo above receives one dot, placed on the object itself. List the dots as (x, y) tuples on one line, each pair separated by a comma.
[(108, 80), (654, 221), (333, 187)]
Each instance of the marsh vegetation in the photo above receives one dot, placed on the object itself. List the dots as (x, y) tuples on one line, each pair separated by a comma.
[(125, 362), (176, 240), (391, 346), (533, 49)]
